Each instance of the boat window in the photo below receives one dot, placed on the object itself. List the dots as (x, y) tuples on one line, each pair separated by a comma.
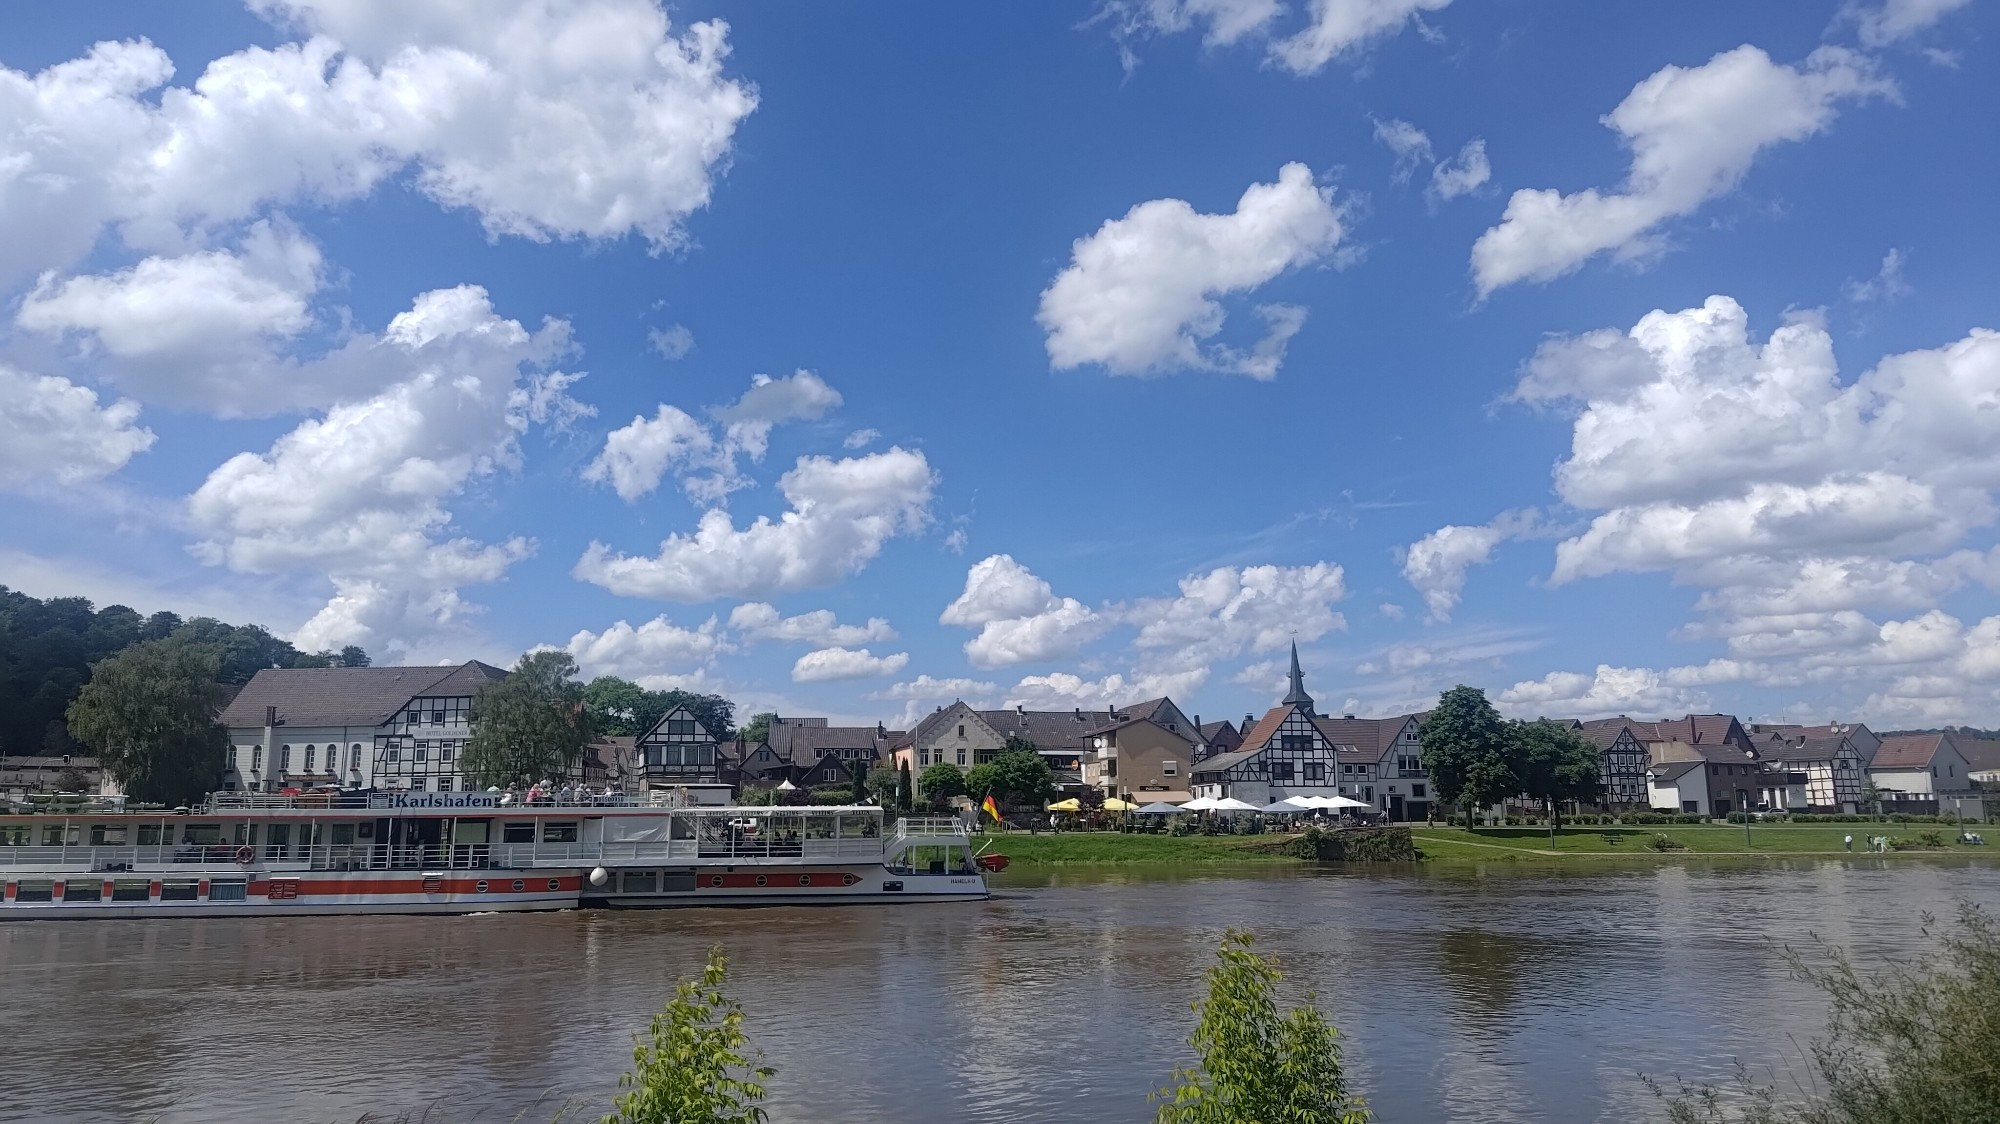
[(640, 882), (149, 835), (518, 832), (83, 890), (204, 834), (559, 832), (680, 826), (16, 836), (131, 890), (180, 890), (39, 890), (343, 834), (228, 890), (107, 835)]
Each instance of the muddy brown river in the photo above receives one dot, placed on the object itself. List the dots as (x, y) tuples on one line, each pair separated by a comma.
[(1492, 994)]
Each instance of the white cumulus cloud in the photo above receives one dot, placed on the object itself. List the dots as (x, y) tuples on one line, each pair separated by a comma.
[(1139, 295), (1462, 174), (758, 620), (638, 455), (656, 647), (1693, 133), (1881, 24), (832, 664), (54, 430), (841, 514), (358, 494), (1435, 565), (1019, 617)]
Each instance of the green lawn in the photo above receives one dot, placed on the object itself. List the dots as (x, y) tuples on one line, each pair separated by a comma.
[(1457, 842), (1112, 847)]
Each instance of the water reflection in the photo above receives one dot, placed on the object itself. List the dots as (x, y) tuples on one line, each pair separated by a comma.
[(1493, 993)]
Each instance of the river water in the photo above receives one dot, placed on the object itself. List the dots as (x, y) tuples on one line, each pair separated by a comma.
[(1491, 993)]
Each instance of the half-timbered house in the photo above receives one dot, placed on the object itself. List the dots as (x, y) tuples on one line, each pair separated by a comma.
[(679, 751), (1285, 754)]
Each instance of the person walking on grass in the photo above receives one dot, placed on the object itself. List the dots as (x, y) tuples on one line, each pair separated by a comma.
[(1849, 840)]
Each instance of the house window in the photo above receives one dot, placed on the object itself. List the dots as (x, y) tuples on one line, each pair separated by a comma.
[(1169, 767), (256, 757), (1281, 770), (310, 755), (1417, 791), (1295, 741), (684, 726), (1688, 806), (961, 731), (961, 757), (354, 757), (444, 751), (423, 752), (284, 757), (923, 757), (395, 755), (1346, 769), (1315, 772)]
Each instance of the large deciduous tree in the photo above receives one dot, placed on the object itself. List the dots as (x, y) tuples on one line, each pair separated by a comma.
[(623, 708), (1465, 751), (1554, 763), (1022, 778), (940, 782), (530, 725), (149, 714)]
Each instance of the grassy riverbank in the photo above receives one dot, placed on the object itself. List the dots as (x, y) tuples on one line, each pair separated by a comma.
[(1700, 839), (1099, 847), (1456, 844)]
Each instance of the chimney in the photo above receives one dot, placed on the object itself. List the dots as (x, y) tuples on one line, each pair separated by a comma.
[(1197, 723), (1347, 716), (1247, 723), (1079, 714), (1020, 708)]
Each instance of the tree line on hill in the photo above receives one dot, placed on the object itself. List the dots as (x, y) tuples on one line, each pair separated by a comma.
[(48, 647)]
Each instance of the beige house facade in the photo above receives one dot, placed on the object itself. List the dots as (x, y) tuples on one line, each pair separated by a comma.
[(1139, 759)]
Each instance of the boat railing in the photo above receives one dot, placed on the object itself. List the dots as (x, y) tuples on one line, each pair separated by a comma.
[(282, 857), (930, 827), (398, 801)]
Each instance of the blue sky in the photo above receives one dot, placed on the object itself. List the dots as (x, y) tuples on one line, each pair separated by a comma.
[(1105, 349)]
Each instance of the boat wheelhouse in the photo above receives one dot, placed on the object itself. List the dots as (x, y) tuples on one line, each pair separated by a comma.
[(465, 852)]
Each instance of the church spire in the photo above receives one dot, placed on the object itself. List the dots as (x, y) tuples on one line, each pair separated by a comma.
[(1297, 695)]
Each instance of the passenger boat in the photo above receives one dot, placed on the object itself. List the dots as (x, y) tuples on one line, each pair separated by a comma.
[(466, 852)]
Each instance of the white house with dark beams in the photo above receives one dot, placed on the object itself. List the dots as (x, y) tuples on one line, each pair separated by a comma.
[(1285, 754), (680, 752), (357, 727)]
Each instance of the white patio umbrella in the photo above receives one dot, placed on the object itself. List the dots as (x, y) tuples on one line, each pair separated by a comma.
[(1199, 804), (1156, 808), (1292, 806), (1344, 802), (1231, 804), (787, 786)]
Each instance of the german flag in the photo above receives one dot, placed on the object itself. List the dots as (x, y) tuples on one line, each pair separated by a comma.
[(990, 808)]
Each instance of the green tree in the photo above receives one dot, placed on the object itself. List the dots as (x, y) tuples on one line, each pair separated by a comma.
[(148, 713), (716, 714), (618, 706), (1253, 1064), (982, 781), (883, 780), (530, 725), (1022, 778), (857, 772), (354, 656), (1554, 763), (906, 793), (941, 782), (1912, 1043), (759, 727), (1465, 751), (690, 1065)]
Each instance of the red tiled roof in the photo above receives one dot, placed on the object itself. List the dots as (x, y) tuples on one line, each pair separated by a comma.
[(1908, 751)]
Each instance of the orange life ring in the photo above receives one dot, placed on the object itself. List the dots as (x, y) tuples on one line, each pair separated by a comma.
[(245, 856)]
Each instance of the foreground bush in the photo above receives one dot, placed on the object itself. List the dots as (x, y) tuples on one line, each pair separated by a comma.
[(688, 1068), (1253, 1065), (1913, 1043)]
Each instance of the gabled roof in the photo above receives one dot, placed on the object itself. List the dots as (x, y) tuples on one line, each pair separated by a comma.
[(1048, 729), (933, 720), (1671, 770), (1910, 751), (797, 744), (1221, 761), (1369, 739), (1266, 728), (1605, 732), (1124, 720), (1209, 730), (1980, 754), (349, 696)]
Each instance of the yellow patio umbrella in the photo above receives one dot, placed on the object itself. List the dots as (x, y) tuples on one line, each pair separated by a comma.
[(1113, 804), (1069, 805)]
